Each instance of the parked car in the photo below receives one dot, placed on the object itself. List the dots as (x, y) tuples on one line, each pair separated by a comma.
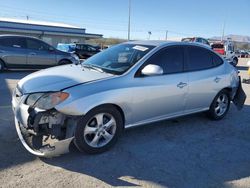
[(30, 52), (66, 47), (244, 54), (196, 39), (226, 50), (127, 85), (85, 51)]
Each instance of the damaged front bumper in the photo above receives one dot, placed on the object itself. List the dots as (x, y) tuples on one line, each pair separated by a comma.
[(43, 133)]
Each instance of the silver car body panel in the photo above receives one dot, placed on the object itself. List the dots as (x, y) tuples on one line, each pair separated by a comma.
[(142, 99), (53, 79)]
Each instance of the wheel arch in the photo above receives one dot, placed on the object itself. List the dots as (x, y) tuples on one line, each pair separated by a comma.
[(229, 90), (4, 64), (1, 59), (64, 59)]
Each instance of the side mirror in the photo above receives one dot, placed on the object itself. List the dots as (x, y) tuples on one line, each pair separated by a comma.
[(152, 70)]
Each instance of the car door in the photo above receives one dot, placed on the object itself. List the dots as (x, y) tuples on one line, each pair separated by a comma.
[(13, 51), (205, 77), (158, 97), (40, 53)]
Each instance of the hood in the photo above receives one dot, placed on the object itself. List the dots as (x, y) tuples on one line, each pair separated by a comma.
[(58, 78)]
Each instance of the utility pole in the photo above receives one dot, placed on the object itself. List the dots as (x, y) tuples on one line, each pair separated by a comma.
[(129, 12), (166, 35), (223, 30)]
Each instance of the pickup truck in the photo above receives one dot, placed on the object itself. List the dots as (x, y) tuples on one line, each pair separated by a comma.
[(226, 50)]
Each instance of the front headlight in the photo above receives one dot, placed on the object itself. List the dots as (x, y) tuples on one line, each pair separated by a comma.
[(46, 101), (75, 57)]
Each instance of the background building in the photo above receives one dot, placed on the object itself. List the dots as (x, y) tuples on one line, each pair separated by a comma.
[(52, 33)]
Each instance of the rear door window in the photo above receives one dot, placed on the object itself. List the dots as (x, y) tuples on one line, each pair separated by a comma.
[(37, 45), (170, 59), (15, 42), (198, 59)]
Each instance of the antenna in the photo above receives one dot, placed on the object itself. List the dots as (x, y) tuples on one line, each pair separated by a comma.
[(129, 12)]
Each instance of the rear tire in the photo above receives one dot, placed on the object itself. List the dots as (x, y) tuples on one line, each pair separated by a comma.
[(98, 130), (220, 106), (235, 61)]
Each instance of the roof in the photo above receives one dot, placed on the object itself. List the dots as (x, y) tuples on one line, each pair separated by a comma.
[(150, 42), (165, 43), (42, 27), (36, 22)]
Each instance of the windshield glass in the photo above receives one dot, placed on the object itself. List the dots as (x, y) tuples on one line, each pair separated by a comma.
[(118, 59)]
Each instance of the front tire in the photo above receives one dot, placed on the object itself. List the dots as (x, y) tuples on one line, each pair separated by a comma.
[(98, 130), (220, 106)]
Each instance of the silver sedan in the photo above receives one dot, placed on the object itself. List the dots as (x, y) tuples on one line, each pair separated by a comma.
[(127, 85)]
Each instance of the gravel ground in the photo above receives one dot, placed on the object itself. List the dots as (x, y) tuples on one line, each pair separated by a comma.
[(188, 152)]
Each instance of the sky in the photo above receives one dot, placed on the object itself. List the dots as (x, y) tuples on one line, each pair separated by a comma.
[(181, 18)]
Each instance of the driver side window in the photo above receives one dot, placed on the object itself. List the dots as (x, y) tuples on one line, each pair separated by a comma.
[(170, 59)]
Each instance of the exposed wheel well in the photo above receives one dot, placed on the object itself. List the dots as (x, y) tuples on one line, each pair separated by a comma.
[(229, 90), (109, 105)]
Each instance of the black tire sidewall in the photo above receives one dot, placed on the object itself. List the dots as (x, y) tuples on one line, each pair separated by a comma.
[(79, 137), (211, 111), (235, 62)]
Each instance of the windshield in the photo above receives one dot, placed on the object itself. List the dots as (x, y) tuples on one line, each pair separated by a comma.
[(118, 59)]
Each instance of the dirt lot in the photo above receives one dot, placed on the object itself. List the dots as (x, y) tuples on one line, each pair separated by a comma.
[(187, 152)]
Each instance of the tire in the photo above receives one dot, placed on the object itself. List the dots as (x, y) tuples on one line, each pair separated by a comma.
[(2, 66), (64, 62), (235, 61), (98, 130), (220, 106)]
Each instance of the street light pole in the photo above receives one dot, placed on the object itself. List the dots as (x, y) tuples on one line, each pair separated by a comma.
[(129, 12), (166, 35), (149, 34)]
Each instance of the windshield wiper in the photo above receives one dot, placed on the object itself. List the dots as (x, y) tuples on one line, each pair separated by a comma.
[(89, 66)]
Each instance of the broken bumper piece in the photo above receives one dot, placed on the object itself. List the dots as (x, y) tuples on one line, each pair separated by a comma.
[(46, 134), (58, 148)]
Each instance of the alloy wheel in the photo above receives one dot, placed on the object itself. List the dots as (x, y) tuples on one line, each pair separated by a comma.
[(221, 105), (100, 130)]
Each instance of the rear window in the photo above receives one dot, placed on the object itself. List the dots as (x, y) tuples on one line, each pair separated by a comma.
[(199, 59), (15, 42), (217, 60), (217, 46), (187, 39)]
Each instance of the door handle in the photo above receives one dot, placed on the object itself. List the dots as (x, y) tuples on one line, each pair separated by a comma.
[(32, 53), (217, 79), (182, 85)]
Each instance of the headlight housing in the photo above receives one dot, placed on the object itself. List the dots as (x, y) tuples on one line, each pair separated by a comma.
[(75, 57), (46, 101)]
